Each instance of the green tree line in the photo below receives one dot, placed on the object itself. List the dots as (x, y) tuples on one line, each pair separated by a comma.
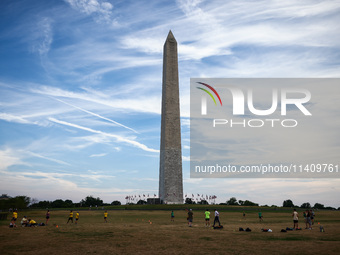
[(24, 202)]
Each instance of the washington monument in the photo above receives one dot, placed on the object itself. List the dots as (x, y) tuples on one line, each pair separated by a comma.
[(170, 167)]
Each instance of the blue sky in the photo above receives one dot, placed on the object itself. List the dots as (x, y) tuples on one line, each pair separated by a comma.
[(80, 89)]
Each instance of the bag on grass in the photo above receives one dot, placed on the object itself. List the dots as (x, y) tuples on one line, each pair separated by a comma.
[(218, 227)]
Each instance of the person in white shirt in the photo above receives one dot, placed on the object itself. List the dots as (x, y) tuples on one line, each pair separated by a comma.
[(24, 222), (217, 218), (295, 219)]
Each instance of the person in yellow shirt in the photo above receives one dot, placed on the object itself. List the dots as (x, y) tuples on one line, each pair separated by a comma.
[(32, 223), (77, 217), (105, 216), (70, 217), (14, 218)]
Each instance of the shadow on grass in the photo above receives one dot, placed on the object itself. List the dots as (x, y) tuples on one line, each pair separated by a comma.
[(283, 238), (207, 238)]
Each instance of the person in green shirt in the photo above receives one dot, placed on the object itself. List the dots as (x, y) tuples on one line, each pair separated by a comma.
[(260, 216), (172, 216), (207, 218)]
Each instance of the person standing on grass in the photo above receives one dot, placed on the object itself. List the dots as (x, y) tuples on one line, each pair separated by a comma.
[(309, 222), (295, 219), (190, 217), (47, 216), (244, 215), (207, 218), (260, 216), (14, 217), (217, 218), (105, 216), (70, 217), (77, 217), (172, 216), (312, 216)]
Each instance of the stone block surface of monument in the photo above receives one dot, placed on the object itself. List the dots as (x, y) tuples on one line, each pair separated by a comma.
[(170, 169)]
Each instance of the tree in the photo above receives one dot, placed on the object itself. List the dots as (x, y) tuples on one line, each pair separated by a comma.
[(91, 201), (189, 201), (116, 202), (203, 202), (141, 202), (305, 205), (34, 201), (249, 203), (240, 202), (288, 203), (232, 201), (68, 203), (42, 204), (58, 203), (18, 202), (319, 206)]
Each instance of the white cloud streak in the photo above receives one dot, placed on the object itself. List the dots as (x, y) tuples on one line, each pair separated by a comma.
[(149, 104), (12, 118), (47, 158), (97, 115), (117, 137), (98, 155)]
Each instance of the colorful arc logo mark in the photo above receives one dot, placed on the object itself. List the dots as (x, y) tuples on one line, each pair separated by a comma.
[(213, 90)]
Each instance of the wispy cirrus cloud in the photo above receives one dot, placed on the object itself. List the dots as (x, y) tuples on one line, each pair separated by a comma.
[(117, 137), (101, 10), (42, 36), (12, 118), (8, 158), (47, 158), (135, 103), (97, 115), (98, 155)]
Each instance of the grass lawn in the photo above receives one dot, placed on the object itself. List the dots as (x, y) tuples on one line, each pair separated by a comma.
[(152, 232)]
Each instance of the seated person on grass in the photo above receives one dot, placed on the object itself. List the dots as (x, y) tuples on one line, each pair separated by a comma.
[(24, 222), (32, 223)]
